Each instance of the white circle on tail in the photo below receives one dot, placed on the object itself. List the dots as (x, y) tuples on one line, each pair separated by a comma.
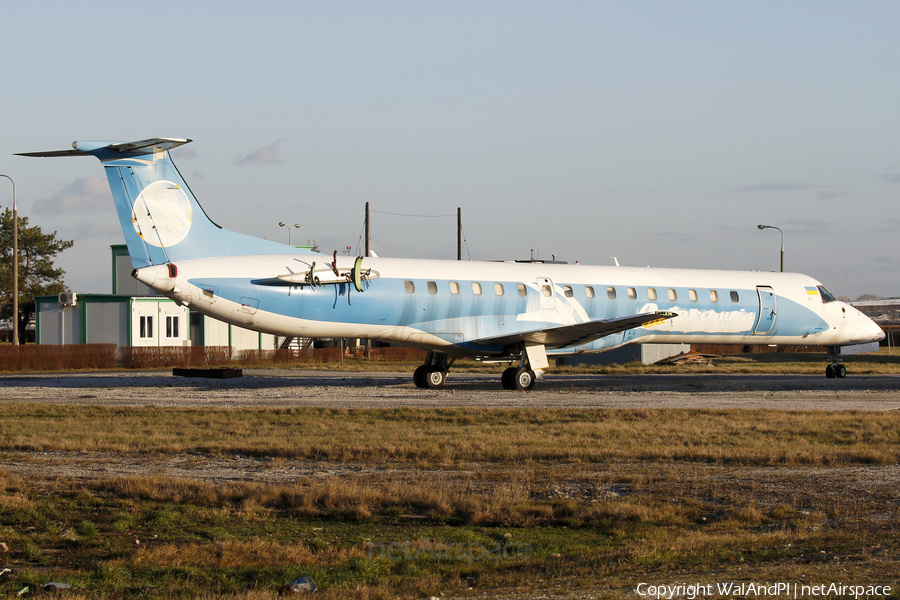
[(162, 214)]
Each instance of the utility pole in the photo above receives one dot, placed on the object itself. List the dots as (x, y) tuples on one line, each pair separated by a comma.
[(367, 229), (368, 341), (458, 233), (15, 265)]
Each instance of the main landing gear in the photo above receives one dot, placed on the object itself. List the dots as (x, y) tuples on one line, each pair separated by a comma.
[(433, 374), (518, 378)]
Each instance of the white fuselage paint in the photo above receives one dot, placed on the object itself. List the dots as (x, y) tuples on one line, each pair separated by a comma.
[(699, 320)]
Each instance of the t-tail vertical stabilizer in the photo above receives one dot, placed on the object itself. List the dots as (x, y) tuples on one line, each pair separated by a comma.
[(161, 219)]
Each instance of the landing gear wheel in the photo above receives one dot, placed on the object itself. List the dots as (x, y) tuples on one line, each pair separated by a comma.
[(507, 378), (524, 379), (435, 378), (835, 370), (419, 376)]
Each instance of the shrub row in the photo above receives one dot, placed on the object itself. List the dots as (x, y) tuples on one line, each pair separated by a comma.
[(108, 356), (57, 358)]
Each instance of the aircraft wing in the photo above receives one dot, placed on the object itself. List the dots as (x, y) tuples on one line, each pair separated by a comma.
[(580, 333)]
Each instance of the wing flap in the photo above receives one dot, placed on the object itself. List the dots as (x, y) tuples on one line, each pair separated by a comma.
[(579, 333)]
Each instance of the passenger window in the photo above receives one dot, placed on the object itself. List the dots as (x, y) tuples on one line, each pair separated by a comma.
[(714, 295), (734, 297), (632, 293), (432, 287), (611, 293), (476, 288), (410, 287), (522, 290), (589, 291), (546, 292), (672, 295), (498, 289), (567, 291), (454, 287), (693, 295), (651, 293)]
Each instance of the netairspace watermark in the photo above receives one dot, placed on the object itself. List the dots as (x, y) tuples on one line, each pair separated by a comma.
[(761, 591), (470, 552)]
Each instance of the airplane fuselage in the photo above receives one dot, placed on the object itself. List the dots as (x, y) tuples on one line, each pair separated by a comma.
[(449, 304)]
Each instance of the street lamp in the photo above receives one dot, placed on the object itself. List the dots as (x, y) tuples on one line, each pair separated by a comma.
[(15, 257), (782, 242), (297, 225)]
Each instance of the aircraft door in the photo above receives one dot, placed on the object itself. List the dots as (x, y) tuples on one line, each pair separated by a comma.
[(548, 295), (767, 305)]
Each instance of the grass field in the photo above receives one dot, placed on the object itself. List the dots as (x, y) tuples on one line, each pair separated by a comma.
[(414, 503)]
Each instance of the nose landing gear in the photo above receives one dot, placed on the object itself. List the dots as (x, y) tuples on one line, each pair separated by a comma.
[(836, 370)]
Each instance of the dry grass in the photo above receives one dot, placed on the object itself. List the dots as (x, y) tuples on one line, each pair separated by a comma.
[(460, 436), (606, 526)]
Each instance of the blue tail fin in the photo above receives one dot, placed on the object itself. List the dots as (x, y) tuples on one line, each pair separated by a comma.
[(161, 219)]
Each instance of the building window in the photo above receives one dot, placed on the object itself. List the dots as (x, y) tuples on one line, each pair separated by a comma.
[(672, 295), (172, 327), (589, 291), (567, 291), (522, 290), (432, 287), (476, 288), (734, 297), (498, 289), (410, 287), (651, 293), (146, 326), (714, 295), (693, 295), (454, 287), (632, 293), (611, 293)]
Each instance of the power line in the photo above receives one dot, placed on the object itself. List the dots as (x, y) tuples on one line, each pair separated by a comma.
[(406, 215)]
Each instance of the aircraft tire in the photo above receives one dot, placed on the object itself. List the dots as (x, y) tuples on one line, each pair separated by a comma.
[(829, 372), (506, 380), (435, 378), (524, 379), (419, 377), (840, 371)]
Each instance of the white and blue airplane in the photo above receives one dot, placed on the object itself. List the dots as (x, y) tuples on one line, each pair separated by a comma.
[(521, 313)]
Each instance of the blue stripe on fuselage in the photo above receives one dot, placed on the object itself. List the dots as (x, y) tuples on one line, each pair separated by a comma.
[(460, 318)]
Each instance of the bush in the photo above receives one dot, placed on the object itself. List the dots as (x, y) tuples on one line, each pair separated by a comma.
[(54, 358)]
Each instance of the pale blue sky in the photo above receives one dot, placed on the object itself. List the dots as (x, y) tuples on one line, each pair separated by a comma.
[(661, 133)]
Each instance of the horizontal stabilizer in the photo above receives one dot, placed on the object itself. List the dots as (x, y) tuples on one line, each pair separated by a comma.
[(149, 146), (580, 333)]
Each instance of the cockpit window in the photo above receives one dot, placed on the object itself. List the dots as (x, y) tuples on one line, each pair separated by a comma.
[(826, 295)]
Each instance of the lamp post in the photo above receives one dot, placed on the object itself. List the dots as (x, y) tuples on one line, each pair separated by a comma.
[(782, 241), (297, 225), (15, 259)]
